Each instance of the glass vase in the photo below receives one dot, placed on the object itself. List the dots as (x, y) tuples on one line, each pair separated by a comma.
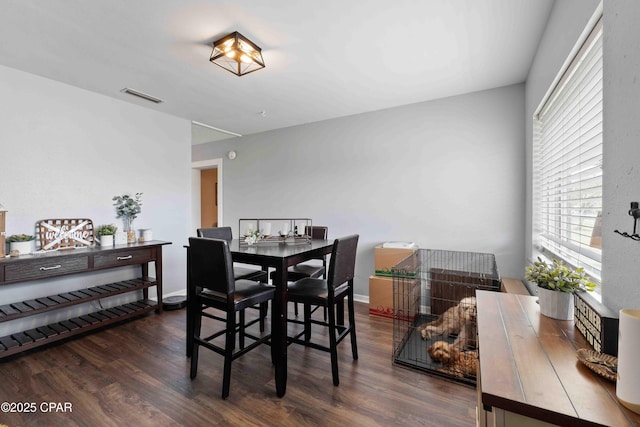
[(131, 233)]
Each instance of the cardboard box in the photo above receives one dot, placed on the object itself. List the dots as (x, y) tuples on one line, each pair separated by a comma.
[(381, 296), (385, 258)]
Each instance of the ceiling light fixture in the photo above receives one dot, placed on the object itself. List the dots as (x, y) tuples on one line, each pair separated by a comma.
[(237, 54), (142, 95)]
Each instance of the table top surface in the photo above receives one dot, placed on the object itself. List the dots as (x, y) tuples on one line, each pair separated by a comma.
[(279, 250), (529, 366)]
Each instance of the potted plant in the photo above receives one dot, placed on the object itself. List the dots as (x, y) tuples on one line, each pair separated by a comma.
[(556, 285), (106, 233), (23, 243)]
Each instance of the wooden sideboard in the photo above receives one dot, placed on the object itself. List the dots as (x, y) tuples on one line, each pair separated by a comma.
[(529, 374), (72, 262)]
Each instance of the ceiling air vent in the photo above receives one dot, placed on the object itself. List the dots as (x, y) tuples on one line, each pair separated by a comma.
[(142, 95)]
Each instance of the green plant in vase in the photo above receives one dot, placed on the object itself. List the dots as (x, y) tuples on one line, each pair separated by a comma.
[(106, 233), (128, 207), (107, 230), (20, 244), (558, 277), (20, 238), (556, 285)]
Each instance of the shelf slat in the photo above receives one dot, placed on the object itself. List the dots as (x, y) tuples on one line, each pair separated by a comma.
[(17, 310), (42, 335)]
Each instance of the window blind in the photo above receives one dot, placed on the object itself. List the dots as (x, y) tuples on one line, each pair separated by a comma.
[(567, 163)]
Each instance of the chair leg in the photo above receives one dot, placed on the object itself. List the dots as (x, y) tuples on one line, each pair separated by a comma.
[(352, 326), (324, 276), (196, 325), (307, 322), (264, 310), (230, 341), (189, 329), (295, 308), (333, 346), (340, 311), (241, 330)]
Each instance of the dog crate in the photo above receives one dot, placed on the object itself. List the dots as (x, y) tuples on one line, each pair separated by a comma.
[(434, 308)]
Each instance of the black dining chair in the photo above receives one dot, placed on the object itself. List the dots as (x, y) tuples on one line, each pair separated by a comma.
[(240, 273), (225, 233), (212, 284), (329, 293), (313, 269)]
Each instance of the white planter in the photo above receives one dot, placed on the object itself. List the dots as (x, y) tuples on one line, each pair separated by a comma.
[(106, 241), (556, 304), (147, 234), (23, 247)]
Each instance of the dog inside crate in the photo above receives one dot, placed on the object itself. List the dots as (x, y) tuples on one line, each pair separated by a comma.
[(438, 331)]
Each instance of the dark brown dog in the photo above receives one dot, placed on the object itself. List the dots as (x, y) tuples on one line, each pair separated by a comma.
[(455, 362)]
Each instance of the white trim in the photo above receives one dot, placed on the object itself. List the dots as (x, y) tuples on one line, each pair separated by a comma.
[(361, 298), (204, 125)]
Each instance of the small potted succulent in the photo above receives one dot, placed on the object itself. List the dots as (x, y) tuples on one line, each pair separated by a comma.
[(22, 243), (106, 233), (556, 285)]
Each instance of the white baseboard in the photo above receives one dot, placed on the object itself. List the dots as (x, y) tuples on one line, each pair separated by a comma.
[(361, 298)]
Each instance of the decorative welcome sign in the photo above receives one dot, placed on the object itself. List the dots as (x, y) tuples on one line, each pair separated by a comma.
[(65, 233)]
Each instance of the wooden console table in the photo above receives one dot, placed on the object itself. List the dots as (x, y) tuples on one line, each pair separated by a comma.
[(529, 374), (78, 261)]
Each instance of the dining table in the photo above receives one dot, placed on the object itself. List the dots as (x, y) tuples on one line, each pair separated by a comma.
[(279, 256)]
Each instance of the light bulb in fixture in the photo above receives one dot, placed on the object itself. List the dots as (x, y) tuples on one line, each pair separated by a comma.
[(237, 54)]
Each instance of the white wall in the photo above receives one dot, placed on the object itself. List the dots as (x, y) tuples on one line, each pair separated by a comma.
[(621, 257), (65, 152), (447, 174)]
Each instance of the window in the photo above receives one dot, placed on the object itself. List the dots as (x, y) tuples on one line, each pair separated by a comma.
[(567, 163)]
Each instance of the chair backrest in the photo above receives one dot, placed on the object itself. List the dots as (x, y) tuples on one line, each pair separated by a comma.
[(210, 265), (316, 231), (223, 233), (343, 260)]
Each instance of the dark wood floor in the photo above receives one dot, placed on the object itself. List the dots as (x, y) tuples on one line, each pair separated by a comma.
[(136, 374)]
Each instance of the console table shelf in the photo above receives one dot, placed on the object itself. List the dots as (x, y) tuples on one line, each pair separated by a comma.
[(55, 264), (54, 302), (36, 337)]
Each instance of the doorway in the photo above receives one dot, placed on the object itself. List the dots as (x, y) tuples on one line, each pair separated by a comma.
[(209, 197), (206, 194)]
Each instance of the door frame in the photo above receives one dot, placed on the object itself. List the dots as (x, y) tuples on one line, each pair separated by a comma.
[(195, 190)]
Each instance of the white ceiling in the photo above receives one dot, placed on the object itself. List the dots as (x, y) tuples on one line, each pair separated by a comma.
[(324, 59)]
